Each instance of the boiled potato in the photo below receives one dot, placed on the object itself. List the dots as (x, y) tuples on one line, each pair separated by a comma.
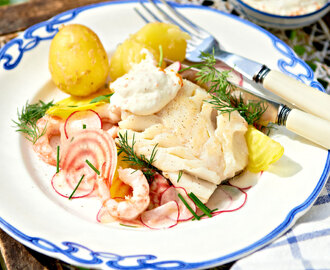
[(169, 36), (151, 36), (127, 54), (78, 62)]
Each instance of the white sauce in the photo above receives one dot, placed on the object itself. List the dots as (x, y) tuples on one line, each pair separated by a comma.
[(287, 7), (145, 89)]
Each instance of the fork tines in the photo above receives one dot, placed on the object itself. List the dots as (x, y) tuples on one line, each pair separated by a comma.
[(166, 13)]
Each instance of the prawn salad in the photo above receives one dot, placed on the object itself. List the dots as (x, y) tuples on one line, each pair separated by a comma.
[(153, 147)]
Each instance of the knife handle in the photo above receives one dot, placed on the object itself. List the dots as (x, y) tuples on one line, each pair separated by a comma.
[(302, 96), (309, 126)]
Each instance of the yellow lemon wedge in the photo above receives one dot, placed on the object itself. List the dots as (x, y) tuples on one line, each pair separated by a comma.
[(118, 188), (67, 106), (263, 150)]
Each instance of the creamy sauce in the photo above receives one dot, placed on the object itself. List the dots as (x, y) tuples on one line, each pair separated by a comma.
[(146, 88), (287, 7)]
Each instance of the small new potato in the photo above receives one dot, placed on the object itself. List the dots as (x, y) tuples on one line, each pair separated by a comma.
[(78, 62), (127, 54), (169, 36)]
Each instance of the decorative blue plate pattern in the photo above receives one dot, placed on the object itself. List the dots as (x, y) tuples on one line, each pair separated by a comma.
[(10, 57)]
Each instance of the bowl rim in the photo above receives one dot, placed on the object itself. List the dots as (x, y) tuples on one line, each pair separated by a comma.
[(327, 4)]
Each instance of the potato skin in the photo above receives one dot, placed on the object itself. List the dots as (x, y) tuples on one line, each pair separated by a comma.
[(169, 36), (127, 54), (78, 62)]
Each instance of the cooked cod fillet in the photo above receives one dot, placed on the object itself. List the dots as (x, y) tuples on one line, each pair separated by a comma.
[(191, 137)]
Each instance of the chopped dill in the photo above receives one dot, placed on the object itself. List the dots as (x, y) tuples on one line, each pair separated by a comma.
[(221, 91), (138, 161), (28, 117)]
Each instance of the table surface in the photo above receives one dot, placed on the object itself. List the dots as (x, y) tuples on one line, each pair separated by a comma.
[(310, 43)]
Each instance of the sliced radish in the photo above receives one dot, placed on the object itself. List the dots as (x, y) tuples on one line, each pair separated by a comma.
[(65, 188), (234, 76), (79, 120), (162, 217), (96, 146), (245, 180), (103, 216), (158, 185), (176, 66), (171, 194), (237, 196), (220, 200)]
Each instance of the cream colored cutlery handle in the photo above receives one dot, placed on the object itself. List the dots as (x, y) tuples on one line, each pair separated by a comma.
[(302, 96), (310, 127)]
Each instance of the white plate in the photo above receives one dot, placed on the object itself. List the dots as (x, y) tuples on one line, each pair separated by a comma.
[(31, 212)]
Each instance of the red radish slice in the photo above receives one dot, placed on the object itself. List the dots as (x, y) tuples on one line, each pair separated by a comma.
[(162, 217), (79, 120), (220, 200), (63, 188), (234, 76), (171, 194), (176, 66), (96, 146), (237, 196), (245, 180), (156, 189), (103, 216)]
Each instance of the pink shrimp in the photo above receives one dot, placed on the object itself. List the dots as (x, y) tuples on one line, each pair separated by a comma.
[(43, 147), (133, 206), (109, 113), (110, 116)]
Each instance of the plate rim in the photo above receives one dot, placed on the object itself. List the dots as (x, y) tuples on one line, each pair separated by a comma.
[(28, 41)]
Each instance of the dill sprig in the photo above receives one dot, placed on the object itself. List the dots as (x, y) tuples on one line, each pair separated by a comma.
[(28, 117), (137, 161), (221, 91)]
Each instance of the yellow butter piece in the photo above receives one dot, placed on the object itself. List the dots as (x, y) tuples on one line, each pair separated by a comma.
[(263, 150)]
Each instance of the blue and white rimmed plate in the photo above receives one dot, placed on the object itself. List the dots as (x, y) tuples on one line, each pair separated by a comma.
[(32, 213)]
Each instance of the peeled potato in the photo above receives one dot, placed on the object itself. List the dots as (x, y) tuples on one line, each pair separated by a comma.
[(169, 36), (263, 150), (78, 62), (126, 54)]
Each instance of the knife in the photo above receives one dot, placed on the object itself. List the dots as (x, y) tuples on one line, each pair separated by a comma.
[(295, 92), (307, 125)]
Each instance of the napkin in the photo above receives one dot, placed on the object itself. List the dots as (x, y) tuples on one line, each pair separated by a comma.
[(305, 246)]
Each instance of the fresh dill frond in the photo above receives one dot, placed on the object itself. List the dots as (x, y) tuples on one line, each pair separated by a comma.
[(28, 117), (221, 91), (137, 161)]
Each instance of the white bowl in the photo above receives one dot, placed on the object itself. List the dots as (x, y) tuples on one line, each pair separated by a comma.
[(279, 21)]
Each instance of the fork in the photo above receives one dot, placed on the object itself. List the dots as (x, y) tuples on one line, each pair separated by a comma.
[(289, 89)]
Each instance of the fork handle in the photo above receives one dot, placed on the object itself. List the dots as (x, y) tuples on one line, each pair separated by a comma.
[(302, 96)]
